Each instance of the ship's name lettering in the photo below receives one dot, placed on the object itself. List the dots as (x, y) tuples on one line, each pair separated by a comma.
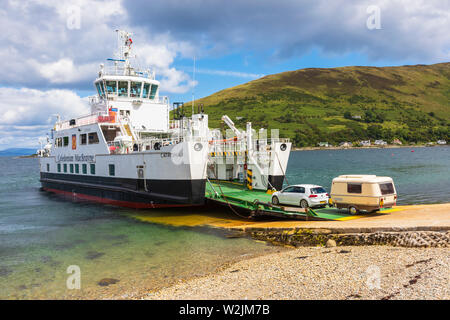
[(77, 157)]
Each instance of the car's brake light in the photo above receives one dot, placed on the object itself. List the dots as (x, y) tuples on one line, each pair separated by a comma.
[(313, 196), (328, 195), (395, 197)]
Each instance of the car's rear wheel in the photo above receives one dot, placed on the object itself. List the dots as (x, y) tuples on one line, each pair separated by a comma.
[(275, 200), (353, 210), (304, 204)]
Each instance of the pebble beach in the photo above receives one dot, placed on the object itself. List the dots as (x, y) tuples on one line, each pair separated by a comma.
[(354, 272)]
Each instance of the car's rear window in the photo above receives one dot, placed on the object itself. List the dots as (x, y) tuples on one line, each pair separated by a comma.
[(386, 188), (318, 190)]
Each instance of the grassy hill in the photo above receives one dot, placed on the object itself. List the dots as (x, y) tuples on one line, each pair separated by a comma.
[(411, 103)]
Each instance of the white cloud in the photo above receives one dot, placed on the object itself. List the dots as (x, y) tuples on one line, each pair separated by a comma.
[(40, 51), (28, 114)]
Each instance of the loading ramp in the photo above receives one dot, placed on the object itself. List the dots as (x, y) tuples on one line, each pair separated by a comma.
[(256, 203)]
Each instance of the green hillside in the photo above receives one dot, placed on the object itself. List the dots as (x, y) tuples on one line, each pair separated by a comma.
[(411, 103)]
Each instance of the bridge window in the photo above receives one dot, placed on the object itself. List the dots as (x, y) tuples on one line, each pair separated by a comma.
[(66, 141), (146, 90), (111, 87), (153, 91), (93, 137), (100, 89), (112, 170), (123, 88), (135, 89), (83, 138)]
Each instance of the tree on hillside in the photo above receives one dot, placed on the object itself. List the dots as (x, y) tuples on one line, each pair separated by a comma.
[(347, 115)]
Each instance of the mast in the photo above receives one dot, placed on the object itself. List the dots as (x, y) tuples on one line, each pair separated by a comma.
[(193, 89), (123, 52)]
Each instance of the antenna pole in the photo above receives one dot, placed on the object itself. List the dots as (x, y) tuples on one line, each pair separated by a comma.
[(193, 88)]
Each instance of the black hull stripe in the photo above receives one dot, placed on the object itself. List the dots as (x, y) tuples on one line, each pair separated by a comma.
[(159, 191)]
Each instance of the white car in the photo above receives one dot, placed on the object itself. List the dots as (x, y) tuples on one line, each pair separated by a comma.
[(303, 195)]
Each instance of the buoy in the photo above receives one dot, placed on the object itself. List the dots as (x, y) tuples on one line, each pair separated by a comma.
[(412, 150)]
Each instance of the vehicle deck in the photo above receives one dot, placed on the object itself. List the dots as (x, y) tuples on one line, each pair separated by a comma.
[(258, 203)]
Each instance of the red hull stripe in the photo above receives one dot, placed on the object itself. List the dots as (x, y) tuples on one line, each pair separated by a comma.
[(127, 204)]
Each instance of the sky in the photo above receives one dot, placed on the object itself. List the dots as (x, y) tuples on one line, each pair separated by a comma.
[(51, 50)]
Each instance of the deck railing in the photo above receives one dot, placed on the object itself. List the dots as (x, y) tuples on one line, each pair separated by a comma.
[(85, 120)]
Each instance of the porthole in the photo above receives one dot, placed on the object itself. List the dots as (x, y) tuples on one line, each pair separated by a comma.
[(198, 146)]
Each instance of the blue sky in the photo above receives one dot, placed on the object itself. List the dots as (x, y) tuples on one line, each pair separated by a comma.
[(51, 49)]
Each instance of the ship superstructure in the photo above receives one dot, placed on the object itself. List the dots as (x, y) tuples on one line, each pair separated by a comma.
[(127, 151)]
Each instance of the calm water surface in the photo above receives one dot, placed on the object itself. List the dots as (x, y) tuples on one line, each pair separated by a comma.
[(422, 176), (42, 234)]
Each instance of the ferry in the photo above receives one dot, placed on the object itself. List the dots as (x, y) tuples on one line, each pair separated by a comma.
[(129, 152)]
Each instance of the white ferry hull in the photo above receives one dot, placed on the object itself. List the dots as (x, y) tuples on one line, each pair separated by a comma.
[(174, 176)]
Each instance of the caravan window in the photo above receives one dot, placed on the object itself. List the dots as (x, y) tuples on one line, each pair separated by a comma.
[(123, 88), (354, 188), (135, 89), (386, 188)]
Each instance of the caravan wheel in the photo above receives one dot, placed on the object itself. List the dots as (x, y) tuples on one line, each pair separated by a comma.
[(353, 210)]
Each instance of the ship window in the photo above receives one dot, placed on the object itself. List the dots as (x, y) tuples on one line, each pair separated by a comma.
[(66, 141), (111, 87), (65, 167), (145, 90), (77, 168), (59, 167), (112, 170), (48, 167), (354, 188), (98, 89), (135, 89), (92, 168), (153, 91), (93, 137), (84, 168), (123, 88), (102, 87), (71, 168), (83, 138)]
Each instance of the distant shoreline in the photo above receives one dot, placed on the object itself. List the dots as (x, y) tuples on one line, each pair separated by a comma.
[(371, 147)]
